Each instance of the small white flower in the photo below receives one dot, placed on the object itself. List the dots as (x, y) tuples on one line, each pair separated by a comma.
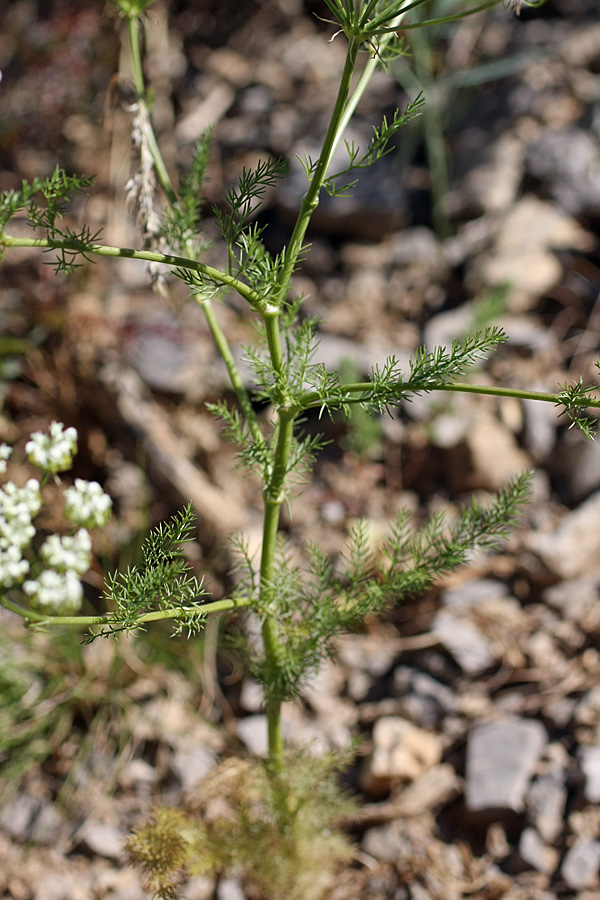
[(13, 568), (52, 452), (16, 532), (18, 506), (55, 593), (86, 504), (5, 452), (68, 553)]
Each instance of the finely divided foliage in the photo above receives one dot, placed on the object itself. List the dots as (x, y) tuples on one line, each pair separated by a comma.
[(300, 606)]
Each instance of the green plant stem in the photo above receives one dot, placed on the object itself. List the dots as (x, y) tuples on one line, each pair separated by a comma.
[(181, 262), (37, 619), (433, 131), (274, 495), (133, 30), (273, 334), (444, 20), (312, 400), (274, 490), (232, 369), (310, 201), (367, 73)]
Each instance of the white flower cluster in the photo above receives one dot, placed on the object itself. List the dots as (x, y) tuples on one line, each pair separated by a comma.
[(57, 593), (86, 504), (5, 452), (13, 568), (68, 553), (64, 559), (52, 452), (18, 507)]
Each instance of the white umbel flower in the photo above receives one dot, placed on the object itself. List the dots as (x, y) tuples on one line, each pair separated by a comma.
[(18, 506), (86, 504), (68, 553), (55, 593), (5, 452), (52, 452), (13, 568)]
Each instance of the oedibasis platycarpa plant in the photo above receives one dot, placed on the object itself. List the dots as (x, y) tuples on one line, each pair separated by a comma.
[(281, 823)]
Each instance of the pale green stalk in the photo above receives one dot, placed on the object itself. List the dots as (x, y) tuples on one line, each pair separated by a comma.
[(310, 201), (133, 25), (313, 400), (38, 620), (274, 491), (168, 259)]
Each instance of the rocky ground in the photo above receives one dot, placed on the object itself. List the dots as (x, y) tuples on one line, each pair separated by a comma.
[(479, 704)]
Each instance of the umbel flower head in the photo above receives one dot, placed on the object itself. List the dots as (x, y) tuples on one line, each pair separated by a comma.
[(54, 586), (52, 452), (87, 504), (57, 593), (5, 452), (66, 553)]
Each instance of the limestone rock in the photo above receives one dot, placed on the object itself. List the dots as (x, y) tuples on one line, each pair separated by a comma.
[(581, 863), (401, 752), (469, 647), (590, 766), (501, 758)]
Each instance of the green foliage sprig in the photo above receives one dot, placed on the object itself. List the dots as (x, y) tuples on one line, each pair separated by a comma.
[(320, 600), (161, 580)]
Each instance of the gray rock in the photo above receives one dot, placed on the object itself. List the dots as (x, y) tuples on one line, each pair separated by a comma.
[(198, 888), (468, 646), (252, 696), (385, 842), (426, 700), (65, 885), (573, 598), (378, 203), (119, 883), (102, 840), (138, 775), (546, 803), (18, 817), (501, 758), (401, 752), (473, 593), (581, 863), (536, 853), (567, 162), (419, 892), (230, 889), (590, 766), (572, 550), (190, 765), (47, 826), (252, 730)]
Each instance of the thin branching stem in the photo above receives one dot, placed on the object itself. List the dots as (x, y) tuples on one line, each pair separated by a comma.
[(235, 377), (274, 495), (364, 389), (180, 262), (310, 201), (134, 34), (38, 620)]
